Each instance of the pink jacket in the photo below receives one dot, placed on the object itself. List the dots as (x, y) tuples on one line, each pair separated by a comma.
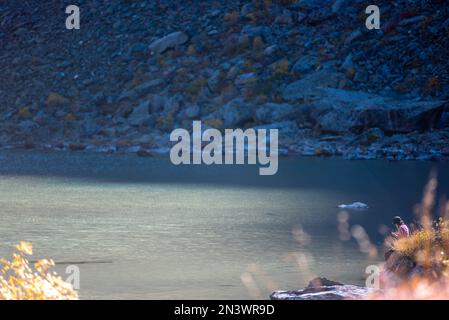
[(403, 231)]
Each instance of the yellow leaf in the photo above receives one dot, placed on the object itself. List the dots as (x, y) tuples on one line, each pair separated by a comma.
[(25, 247)]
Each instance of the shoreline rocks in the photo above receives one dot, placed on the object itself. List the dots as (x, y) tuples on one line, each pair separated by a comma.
[(324, 289), (293, 141)]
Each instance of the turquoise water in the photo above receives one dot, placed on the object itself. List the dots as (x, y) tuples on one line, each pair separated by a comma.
[(142, 228)]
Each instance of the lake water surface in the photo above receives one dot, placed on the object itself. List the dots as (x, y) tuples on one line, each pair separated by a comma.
[(142, 228)]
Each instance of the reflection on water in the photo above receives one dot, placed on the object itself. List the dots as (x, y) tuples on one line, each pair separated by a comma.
[(143, 228)]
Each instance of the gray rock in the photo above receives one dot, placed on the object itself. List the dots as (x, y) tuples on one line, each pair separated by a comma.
[(89, 126), (141, 89), (192, 111), (140, 114), (287, 128), (337, 6), (28, 125), (368, 137), (305, 63), (215, 13), (146, 138), (308, 87), (353, 36), (361, 76), (348, 62), (157, 103), (171, 40), (324, 289), (234, 71), (271, 112), (284, 18), (138, 49), (254, 31), (338, 110), (235, 113), (60, 113), (245, 79), (213, 32), (214, 81), (173, 104), (247, 9), (271, 50)]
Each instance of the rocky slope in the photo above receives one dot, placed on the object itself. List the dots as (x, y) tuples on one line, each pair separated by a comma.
[(138, 69)]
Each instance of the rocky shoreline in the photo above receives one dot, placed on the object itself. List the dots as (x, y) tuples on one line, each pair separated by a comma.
[(398, 273), (324, 289), (420, 147)]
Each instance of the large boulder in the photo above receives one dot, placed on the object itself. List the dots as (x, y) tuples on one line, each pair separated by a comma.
[(215, 80), (170, 41), (324, 289), (305, 63), (287, 128), (192, 111), (368, 137), (342, 111), (271, 112), (140, 114), (235, 113), (140, 90), (246, 79), (308, 87), (247, 9)]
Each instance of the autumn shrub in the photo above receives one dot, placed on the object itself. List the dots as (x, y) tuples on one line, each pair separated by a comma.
[(258, 43), (428, 244), (24, 113), (418, 268), (281, 67), (20, 280), (55, 99), (232, 17)]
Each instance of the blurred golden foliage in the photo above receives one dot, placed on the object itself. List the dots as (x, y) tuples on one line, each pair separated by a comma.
[(21, 281)]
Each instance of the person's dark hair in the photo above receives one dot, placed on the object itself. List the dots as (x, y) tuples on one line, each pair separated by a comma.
[(397, 220)]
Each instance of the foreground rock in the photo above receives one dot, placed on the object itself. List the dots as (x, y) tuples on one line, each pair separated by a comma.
[(324, 289), (398, 269)]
